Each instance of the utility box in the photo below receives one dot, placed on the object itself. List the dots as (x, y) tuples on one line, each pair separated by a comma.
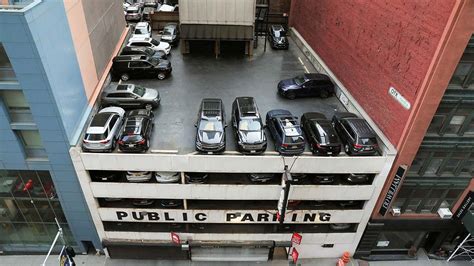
[(445, 213)]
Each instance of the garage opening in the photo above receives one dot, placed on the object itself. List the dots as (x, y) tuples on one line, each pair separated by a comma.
[(230, 254)]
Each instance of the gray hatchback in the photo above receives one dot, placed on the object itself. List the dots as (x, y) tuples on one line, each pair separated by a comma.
[(130, 96)]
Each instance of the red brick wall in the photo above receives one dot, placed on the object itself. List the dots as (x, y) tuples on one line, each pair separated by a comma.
[(372, 45)]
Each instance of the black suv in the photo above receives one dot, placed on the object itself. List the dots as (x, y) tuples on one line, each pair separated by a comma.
[(356, 134), (130, 96), (320, 134), (277, 37), (248, 127), (139, 66), (306, 85), (143, 51), (286, 132), (210, 135), (136, 132)]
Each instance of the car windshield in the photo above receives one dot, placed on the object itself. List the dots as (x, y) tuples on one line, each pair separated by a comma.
[(250, 125), (95, 137), (155, 42), (168, 31), (210, 126), (149, 51), (140, 91), (132, 11), (280, 33), (299, 80), (294, 139), (368, 141), (154, 61)]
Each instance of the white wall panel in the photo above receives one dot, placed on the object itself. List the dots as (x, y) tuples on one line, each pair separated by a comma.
[(227, 12), (325, 192)]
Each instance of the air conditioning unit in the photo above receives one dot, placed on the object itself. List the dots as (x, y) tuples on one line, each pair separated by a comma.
[(395, 211), (445, 213)]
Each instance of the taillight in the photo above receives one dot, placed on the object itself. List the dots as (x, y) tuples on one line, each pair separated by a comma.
[(284, 145), (141, 141), (357, 146), (104, 141)]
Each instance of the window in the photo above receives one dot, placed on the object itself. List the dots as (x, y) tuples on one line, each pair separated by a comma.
[(17, 106), (6, 70), (463, 76), (139, 65), (113, 120), (32, 144)]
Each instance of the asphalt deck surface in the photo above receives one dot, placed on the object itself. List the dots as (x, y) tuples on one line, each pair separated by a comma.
[(200, 75)]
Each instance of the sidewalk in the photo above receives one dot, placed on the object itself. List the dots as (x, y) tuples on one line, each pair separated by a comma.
[(93, 260)]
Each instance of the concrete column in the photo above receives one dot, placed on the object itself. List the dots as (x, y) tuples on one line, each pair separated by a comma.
[(217, 48), (184, 44)]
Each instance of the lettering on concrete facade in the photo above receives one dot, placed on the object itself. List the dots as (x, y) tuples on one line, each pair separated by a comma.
[(392, 190), (465, 205), (219, 217)]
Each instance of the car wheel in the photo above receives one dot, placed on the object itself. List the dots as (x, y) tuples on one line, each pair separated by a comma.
[(291, 95), (125, 77), (347, 149), (324, 94), (161, 76)]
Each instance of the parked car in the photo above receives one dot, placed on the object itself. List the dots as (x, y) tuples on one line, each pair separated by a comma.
[(149, 43), (248, 127), (170, 33), (167, 177), (138, 176), (286, 132), (143, 202), (349, 204), (104, 176), (171, 203), (103, 130), (196, 178), (358, 179), (142, 30), (210, 135), (277, 37), (298, 178), (151, 3), (136, 132), (130, 96), (323, 179), (355, 133), (148, 12), (306, 85), (136, 66), (320, 134), (143, 51), (133, 14), (261, 177)]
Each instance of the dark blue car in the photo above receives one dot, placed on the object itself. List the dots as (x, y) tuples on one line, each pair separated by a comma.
[(306, 85), (286, 132)]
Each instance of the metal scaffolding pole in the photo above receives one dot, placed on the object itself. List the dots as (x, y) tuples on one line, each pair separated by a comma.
[(465, 248)]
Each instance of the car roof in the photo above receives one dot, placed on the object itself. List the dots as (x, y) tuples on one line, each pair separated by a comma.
[(120, 87), (278, 27), (130, 57), (140, 113), (135, 122), (290, 126), (361, 127), (132, 7), (247, 106), (211, 107), (142, 25), (100, 119), (316, 76), (138, 38)]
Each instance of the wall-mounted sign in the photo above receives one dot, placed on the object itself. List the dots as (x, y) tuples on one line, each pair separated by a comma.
[(228, 216), (383, 243), (296, 238), (295, 255), (175, 238), (465, 205), (392, 190), (398, 96)]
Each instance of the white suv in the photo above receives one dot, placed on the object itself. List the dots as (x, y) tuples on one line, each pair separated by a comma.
[(142, 30), (149, 43), (103, 130)]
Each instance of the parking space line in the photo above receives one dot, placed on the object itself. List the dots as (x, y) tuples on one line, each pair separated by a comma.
[(302, 63), (164, 151)]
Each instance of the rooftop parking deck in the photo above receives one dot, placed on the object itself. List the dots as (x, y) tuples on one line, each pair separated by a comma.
[(200, 75)]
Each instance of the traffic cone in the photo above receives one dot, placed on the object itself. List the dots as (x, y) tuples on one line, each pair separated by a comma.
[(346, 257), (340, 262)]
